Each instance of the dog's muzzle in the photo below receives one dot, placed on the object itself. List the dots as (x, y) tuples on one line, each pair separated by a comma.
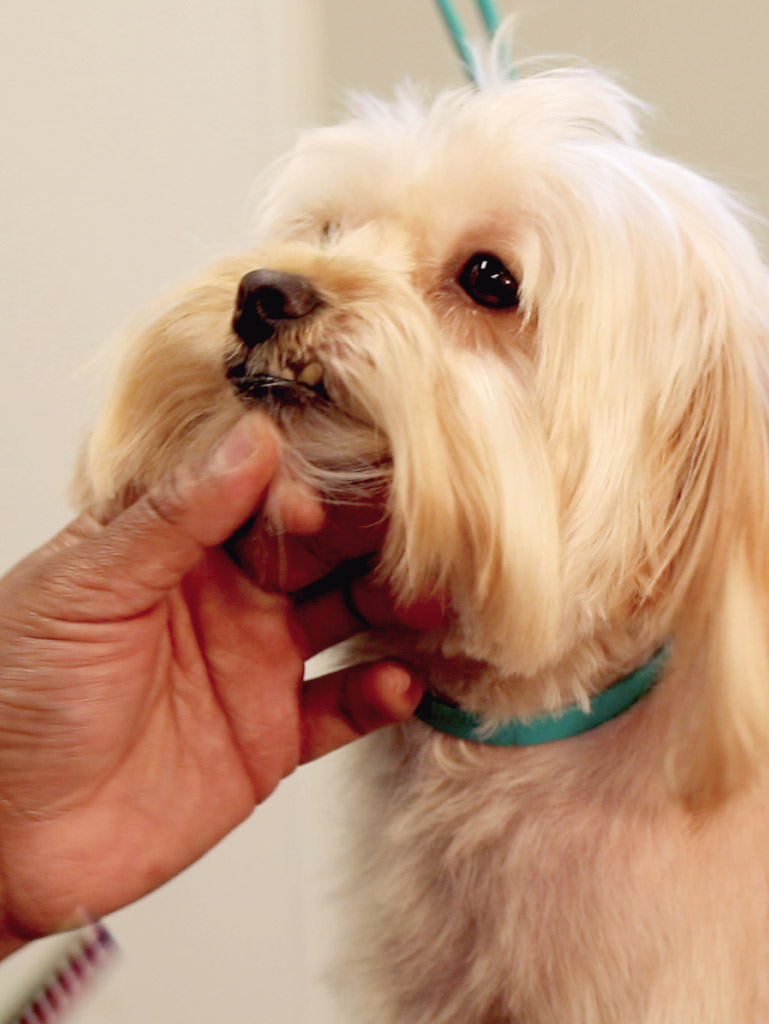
[(266, 300)]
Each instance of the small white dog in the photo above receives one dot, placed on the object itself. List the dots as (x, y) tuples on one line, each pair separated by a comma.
[(551, 346)]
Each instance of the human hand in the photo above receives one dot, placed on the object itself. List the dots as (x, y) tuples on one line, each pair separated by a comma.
[(151, 694)]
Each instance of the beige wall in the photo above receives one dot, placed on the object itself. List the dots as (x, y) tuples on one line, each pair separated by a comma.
[(131, 134)]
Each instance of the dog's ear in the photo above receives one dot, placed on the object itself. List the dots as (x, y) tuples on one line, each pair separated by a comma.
[(473, 508), (721, 660)]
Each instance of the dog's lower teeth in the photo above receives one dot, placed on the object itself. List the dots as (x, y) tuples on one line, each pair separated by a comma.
[(311, 375)]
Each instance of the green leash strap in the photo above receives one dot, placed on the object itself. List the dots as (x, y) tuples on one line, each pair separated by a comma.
[(490, 18), (573, 721)]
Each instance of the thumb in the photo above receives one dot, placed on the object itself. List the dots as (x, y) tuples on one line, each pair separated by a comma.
[(147, 549)]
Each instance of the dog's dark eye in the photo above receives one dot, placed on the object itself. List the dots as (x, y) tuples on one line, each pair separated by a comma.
[(488, 282)]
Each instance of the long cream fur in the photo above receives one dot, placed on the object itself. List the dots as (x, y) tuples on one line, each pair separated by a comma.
[(586, 478)]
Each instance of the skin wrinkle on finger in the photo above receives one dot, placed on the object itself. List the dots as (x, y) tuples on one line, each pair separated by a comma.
[(79, 596)]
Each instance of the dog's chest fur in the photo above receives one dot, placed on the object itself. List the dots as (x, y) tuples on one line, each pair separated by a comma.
[(555, 885)]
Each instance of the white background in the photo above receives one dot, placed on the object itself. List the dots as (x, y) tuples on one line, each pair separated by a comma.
[(130, 137)]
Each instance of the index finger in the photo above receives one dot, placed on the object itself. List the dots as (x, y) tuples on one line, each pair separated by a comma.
[(277, 557), (346, 705), (359, 603)]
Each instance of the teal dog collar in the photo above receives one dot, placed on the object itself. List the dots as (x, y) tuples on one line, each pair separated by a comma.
[(572, 721)]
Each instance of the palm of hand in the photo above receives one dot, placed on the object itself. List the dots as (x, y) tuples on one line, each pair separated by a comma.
[(151, 694), (175, 734)]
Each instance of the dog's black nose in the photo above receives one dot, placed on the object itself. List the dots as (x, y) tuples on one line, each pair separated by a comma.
[(268, 297)]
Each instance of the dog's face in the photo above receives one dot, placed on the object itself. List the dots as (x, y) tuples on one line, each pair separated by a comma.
[(546, 343)]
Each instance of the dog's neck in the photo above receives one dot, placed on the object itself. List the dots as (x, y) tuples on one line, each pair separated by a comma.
[(572, 721)]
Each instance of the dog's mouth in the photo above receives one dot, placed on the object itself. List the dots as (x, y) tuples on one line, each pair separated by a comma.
[(287, 386)]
